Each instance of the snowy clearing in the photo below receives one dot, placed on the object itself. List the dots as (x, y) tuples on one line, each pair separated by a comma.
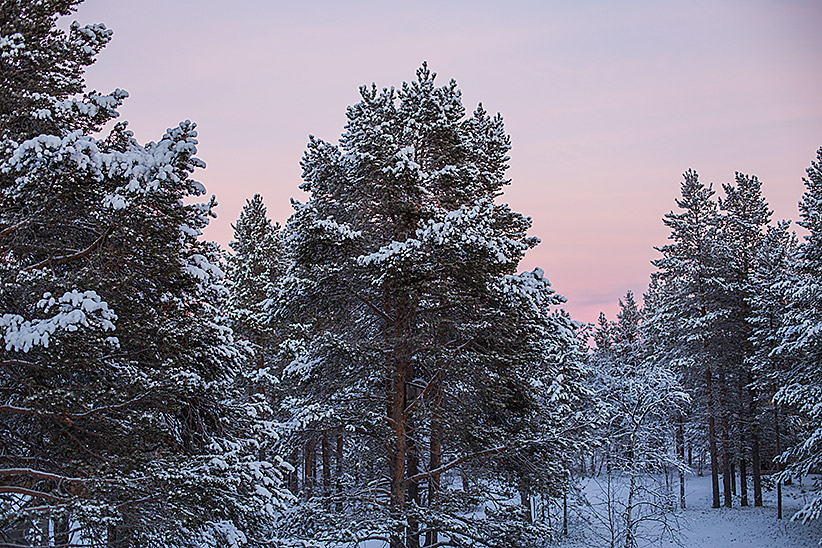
[(749, 527)]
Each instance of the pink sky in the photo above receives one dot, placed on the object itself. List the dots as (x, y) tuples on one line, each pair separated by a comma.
[(607, 103)]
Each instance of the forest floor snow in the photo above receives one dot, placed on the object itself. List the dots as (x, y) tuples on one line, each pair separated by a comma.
[(701, 526), (737, 527)]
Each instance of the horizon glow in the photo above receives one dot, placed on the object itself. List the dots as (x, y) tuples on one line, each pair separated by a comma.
[(606, 104)]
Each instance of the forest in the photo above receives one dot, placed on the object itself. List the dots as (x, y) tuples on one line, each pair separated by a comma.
[(377, 371)]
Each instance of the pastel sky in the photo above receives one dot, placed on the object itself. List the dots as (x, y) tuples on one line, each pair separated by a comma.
[(607, 103)]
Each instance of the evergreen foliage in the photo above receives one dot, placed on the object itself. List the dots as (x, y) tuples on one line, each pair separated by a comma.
[(800, 348), (122, 418), (412, 332)]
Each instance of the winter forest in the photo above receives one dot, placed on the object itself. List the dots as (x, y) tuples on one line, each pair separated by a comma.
[(378, 371)]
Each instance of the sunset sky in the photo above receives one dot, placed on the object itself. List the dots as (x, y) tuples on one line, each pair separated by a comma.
[(607, 103)]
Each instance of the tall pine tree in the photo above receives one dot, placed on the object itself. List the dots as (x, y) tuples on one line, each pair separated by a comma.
[(412, 331), (690, 277), (800, 389), (122, 421)]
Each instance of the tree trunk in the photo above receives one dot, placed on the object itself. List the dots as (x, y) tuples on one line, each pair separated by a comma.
[(326, 457), (743, 482), (778, 451), (61, 531), (339, 474), (756, 466), (630, 541), (726, 452), (412, 534), (396, 403), (733, 477), (525, 500), (434, 458), (712, 439), (293, 476), (680, 445), (308, 466)]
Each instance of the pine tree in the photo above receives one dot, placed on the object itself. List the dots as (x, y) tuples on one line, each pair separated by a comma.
[(41, 71), (746, 215), (121, 411), (411, 331), (690, 276), (254, 270), (800, 386)]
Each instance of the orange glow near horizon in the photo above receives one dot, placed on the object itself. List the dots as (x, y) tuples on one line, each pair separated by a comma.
[(607, 103)]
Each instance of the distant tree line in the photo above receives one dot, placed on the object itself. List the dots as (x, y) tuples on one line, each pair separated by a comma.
[(733, 313)]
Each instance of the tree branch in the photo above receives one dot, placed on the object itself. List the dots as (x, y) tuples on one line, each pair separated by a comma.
[(14, 228), (422, 395), (21, 363), (30, 472), (54, 261), (373, 307), (453, 463), (68, 417), (29, 492)]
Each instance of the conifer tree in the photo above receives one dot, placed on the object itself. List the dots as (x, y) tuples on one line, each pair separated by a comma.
[(743, 224), (254, 270), (412, 331), (121, 419), (690, 274), (800, 389)]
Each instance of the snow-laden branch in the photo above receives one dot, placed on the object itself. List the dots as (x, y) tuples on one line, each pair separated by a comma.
[(75, 310), (30, 492)]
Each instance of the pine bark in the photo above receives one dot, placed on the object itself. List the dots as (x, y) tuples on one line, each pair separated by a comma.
[(339, 473), (396, 403), (326, 458), (308, 466), (756, 466), (413, 494), (680, 446), (434, 458), (712, 439), (724, 432)]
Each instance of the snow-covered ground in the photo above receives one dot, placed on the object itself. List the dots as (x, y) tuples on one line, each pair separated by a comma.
[(705, 527), (746, 527)]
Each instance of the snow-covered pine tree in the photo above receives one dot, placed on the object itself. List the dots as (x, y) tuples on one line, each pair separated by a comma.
[(746, 215), (773, 278), (800, 384), (689, 310), (411, 331), (121, 419), (254, 269), (41, 71)]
